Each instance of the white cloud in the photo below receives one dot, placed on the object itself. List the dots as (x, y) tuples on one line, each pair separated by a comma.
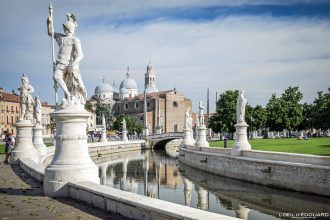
[(261, 55)]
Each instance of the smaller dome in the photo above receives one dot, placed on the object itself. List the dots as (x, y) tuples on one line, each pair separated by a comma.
[(128, 83), (151, 90), (103, 88)]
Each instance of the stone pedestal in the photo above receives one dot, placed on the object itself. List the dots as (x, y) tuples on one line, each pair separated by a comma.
[(38, 141), (124, 136), (187, 138), (71, 161), (104, 136), (24, 146), (201, 137), (241, 140)]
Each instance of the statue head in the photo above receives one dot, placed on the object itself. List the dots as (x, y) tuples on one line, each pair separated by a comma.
[(25, 79), (71, 24)]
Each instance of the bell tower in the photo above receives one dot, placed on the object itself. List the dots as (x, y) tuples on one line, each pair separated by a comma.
[(150, 80)]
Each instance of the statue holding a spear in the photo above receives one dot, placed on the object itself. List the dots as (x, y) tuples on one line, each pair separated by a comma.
[(66, 72)]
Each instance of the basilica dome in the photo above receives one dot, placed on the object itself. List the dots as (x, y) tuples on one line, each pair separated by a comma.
[(103, 91), (103, 88), (123, 90), (128, 87), (128, 83)]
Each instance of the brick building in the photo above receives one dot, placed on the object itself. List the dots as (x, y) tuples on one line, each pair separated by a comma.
[(10, 110)]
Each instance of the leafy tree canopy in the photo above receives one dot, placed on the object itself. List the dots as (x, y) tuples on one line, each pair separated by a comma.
[(225, 117), (106, 110), (321, 111), (132, 123)]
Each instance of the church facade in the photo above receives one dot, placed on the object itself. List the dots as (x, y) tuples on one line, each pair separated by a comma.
[(165, 109)]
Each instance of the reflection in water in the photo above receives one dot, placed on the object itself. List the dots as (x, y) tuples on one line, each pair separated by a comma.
[(157, 175), (187, 191), (202, 197)]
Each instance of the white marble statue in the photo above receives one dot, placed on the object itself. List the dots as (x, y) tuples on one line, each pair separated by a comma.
[(37, 110), (67, 73), (103, 122), (124, 124), (201, 114), (188, 120), (26, 99), (240, 108)]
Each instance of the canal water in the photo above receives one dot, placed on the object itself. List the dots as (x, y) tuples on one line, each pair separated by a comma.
[(158, 174)]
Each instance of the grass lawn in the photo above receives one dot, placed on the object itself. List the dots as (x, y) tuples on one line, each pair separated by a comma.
[(2, 147), (315, 146)]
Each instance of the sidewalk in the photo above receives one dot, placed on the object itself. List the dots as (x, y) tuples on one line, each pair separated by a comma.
[(21, 197)]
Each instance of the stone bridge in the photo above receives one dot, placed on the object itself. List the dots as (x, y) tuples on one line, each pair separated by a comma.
[(160, 140)]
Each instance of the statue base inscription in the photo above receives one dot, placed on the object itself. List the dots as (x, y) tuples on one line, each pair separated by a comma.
[(24, 146), (71, 161), (241, 141)]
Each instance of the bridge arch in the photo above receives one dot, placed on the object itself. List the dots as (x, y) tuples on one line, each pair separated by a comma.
[(161, 144), (159, 141)]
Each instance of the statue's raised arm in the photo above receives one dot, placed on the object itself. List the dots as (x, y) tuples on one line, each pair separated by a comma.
[(66, 71)]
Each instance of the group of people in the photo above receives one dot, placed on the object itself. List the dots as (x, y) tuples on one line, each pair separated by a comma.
[(10, 141)]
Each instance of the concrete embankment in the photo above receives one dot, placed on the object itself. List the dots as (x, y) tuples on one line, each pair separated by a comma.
[(303, 173)]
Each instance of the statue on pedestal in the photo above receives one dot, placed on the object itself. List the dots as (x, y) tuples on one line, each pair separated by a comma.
[(71, 160), (37, 110), (26, 99), (240, 108), (66, 70)]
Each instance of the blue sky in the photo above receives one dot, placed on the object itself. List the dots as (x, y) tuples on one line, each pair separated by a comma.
[(259, 46)]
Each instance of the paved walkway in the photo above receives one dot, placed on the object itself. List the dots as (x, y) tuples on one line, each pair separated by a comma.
[(21, 197)]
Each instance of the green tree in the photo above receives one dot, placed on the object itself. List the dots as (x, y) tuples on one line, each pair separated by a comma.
[(321, 111), (292, 109), (306, 122), (225, 117), (106, 110), (274, 120), (132, 123), (255, 117)]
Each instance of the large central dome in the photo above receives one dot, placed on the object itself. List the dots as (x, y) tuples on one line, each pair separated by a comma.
[(128, 87), (128, 83)]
